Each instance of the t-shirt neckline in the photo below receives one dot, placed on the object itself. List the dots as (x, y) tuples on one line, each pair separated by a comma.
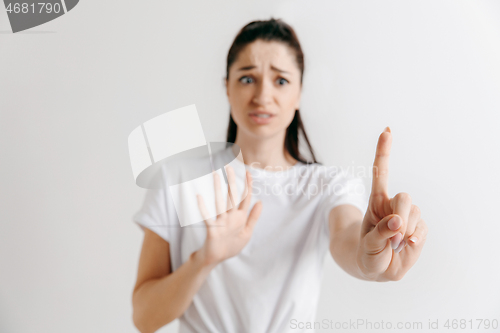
[(260, 171)]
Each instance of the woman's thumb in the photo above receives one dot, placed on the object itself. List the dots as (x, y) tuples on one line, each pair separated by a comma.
[(376, 240)]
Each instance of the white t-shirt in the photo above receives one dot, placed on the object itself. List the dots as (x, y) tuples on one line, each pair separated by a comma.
[(275, 280)]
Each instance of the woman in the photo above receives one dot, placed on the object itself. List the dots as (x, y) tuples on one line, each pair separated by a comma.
[(259, 269)]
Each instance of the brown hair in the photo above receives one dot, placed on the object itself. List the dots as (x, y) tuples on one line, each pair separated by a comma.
[(272, 30)]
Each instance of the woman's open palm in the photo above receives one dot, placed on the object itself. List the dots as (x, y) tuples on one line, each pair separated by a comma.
[(231, 231)]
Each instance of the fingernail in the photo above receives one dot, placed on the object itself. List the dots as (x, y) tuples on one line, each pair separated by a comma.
[(400, 247), (396, 240), (387, 129), (413, 239), (394, 223)]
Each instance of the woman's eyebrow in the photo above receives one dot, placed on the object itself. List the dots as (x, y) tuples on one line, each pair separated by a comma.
[(279, 70), (245, 68)]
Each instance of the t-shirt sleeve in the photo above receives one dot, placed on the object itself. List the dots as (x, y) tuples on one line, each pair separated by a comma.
[(158, 213), (344, 189)]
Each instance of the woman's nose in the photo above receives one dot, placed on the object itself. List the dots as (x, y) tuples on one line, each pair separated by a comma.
[(263, 93)]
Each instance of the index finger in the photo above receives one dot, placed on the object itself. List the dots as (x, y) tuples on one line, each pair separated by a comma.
[(381, 163)]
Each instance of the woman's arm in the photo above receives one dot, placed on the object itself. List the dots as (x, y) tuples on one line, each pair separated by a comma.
[(160, 296), (390, 237), (345, 229)]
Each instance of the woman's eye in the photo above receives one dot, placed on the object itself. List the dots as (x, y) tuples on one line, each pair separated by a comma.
[(246, 79), (281, 81)]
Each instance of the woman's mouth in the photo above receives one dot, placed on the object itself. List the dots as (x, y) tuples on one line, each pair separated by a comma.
[(261, 118)]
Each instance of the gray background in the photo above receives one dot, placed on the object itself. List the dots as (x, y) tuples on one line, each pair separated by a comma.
[(72, 89)]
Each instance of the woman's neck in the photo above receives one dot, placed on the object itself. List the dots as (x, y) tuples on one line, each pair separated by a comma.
[(269, 153)]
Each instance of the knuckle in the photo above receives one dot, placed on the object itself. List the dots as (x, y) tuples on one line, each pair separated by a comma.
[(377, 195), (381, 172), (398, 276), (415, 210), (395, 274), (424, 226), (381, 154), (403, 197)]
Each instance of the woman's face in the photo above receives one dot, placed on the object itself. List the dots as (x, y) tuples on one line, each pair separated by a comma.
[(264, 88)]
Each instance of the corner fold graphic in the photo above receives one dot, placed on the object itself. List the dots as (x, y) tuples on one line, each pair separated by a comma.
[(170, 152), (29, 13), (70, 4)]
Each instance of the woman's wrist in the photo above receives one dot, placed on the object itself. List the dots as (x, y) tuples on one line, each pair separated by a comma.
[(202, 261)]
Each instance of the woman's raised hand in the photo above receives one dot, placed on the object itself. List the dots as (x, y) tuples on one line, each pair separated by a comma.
[(231, 231), (393, 233)]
